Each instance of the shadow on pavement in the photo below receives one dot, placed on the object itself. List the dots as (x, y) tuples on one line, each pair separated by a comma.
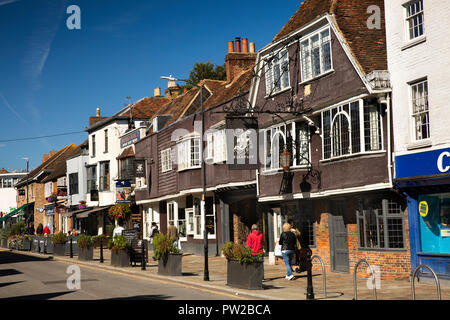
[(5, 284), (41, 296), (12, 257), (9, 272), (143, 297), (189, 274)]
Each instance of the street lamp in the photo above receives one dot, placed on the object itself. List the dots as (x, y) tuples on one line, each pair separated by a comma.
[(202, 205), (27, 160)]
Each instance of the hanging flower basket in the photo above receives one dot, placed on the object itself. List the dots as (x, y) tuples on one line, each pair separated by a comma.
[(82, 205), (120, 211)]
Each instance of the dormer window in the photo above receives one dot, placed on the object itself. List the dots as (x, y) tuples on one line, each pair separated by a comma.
[(316, 54), (277, 72)]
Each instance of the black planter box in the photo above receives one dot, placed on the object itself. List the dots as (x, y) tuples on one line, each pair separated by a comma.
[(36, 244), (26, 245), (75, 249), (170, 265), (120, 258), (245, 276), (42, 244), (59, 249), (86, 254), (4, 243)]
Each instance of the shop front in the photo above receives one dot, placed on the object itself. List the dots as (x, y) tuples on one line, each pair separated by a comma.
[(425, 179)]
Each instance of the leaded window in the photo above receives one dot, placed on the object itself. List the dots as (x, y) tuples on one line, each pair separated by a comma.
[(316, 54)]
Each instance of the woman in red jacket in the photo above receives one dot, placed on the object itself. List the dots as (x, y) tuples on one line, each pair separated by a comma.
[(255, 242)]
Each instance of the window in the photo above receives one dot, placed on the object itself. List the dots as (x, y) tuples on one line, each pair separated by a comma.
[(166, 161), (316, 54), (104, 176), (91, 178), (307, 231), (352, 128), (277, 72), (188, 153), (217, 146), (274, 144), (414, 19), (210, 216), (380, 224), (420, 111), (190, 221), (181, 224), (93, 145), (47, 189), (171, 213), (73, 183), (127, 169), (106, 141)]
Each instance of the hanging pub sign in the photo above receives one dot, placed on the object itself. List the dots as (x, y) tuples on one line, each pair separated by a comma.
[(50, 210), (140, 168), (130, 139), (94, 195), (123, 192), (242, 143)]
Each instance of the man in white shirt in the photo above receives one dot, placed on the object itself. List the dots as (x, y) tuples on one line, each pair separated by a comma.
[(118, 230)]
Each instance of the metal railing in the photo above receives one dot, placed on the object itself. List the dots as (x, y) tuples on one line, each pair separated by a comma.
[(355, 296), (323, 274), (435, 278)]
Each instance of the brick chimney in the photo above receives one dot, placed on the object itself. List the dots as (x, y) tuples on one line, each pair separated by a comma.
[(173, 90), (45, 157), (157, 92), (240, 60), (97, 118)]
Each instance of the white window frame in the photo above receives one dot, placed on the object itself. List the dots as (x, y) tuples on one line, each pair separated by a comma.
[(270, 67), (189, 212), (280, 129), (198, 215), (308, 76), (48, 189), (187, 158), (176, 220), (216, 146), (166, 161), (414, 133), (407, 20), (363, 150)]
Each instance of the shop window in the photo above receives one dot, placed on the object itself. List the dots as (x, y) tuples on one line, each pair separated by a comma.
[(380, 224)]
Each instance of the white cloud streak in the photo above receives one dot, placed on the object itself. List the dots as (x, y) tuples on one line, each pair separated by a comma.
[(6, 103), (2, 3)]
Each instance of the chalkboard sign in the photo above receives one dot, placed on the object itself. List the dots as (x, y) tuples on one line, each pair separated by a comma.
[(130, 235)]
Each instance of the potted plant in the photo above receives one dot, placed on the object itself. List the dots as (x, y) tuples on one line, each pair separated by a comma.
[(52, 198), (120, 251), (102, 237), (82, 204), (168, 256), (12, 242), (59, 241), (25, 242), (85, 247), (244, 270)]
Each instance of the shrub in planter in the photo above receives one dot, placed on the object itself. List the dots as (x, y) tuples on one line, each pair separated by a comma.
[(12, 242), (244, 270), (168, 256), (120, 251), (59, 241), (25, 242), (85, 247), (4, 234)]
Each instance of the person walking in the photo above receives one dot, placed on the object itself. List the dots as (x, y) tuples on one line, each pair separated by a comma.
[(255, 242), (172, 233), (30, 229), (40, 230), (47, 230), (154, 231), (288, 243)]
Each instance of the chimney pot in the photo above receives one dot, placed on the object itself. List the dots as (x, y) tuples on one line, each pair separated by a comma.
[(252, 47), (245, 45), (98, 112), (230, 46), (238, 44), (157, 92)]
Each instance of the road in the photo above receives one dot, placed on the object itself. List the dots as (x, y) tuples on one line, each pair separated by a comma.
[(29, 277)]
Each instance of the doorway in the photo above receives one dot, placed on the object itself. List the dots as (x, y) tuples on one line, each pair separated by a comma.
[(339, 252)]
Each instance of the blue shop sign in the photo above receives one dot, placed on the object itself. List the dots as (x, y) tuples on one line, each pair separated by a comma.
[(430, 163), (50, 210)]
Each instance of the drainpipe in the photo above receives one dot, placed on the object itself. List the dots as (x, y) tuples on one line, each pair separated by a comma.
[(388, 106)]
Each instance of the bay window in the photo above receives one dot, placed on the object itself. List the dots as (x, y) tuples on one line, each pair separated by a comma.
[(352, 128)]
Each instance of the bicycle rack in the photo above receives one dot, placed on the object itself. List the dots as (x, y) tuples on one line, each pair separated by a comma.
[(355, 297), (323, 272), (435, 278)]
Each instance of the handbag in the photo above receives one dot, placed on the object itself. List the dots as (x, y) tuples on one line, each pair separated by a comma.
[(278, 251)]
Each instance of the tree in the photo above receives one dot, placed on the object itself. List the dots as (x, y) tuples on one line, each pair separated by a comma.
[(206, 70)]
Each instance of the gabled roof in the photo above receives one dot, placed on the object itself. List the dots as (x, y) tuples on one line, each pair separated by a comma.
[(126, 153), (59, 166), (368, 46), (48, 165)]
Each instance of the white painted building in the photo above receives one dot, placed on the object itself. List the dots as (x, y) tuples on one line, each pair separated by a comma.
[(418, 49), (8, 195)]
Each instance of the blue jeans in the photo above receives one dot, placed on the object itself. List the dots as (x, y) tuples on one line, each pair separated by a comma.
[(287, 254)]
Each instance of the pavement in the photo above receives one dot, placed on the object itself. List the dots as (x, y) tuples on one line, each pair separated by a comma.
[(339, 286)]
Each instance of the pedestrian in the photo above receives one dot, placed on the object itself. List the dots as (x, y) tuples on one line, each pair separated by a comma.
[(296, 256), (118, 230), (154, 231), (47, 230), (172, 233), (30, 229), (255, 242), (301, 251), (288, 243), (40, 229)]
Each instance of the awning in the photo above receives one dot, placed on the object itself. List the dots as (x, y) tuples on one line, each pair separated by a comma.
[(85, 214), (15, 212), (71, 213)]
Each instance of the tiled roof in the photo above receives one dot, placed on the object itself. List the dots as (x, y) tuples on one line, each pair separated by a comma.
[(144, 108), (368, 46), (46, 165), (3, 170), (128, 152), (58, 167)]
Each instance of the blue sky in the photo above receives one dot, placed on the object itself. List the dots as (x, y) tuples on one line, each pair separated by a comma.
[(52, 79)]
